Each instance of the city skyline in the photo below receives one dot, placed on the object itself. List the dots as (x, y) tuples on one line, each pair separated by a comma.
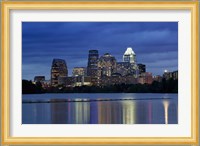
[(155, 44)]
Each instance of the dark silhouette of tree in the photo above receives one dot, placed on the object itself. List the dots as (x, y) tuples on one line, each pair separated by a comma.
[(29, 88), (165, 86)]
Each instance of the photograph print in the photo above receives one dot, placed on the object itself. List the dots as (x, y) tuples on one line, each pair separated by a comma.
[(99, 72)]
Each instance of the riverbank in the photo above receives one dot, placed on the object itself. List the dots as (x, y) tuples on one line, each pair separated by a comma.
[(166, 86)]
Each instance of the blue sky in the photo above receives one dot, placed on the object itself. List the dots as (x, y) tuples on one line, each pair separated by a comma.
[(155, 44)]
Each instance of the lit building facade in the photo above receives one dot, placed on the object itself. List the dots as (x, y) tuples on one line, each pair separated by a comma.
[(175, 75), (59, 72), (157, 78), (129, 56), (106, 65), (92, 68), (170, 75), (117, 79), (46, 84), (70, 81), (167, 75), (39, 78), (92, 63), (145, 78), (78, 81), (82, 81), (62, 80), (127, 68), (79, 71)]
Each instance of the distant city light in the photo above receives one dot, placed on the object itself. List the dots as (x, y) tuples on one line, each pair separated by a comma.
[(165, 70)]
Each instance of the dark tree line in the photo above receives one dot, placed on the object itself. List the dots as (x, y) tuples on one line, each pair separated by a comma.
[(29, 88), (166, 86)]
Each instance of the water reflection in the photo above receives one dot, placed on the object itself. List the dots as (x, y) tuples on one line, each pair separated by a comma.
[(166, 106), (62, 111), (128, 112), (59, 112), (82, 113), (109, 112), (36, 114), (69, 112), (150, 112)]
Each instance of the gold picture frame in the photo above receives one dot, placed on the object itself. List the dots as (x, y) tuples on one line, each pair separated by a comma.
[(88, 5)]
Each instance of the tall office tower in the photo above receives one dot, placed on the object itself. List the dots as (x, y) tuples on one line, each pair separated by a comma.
[(58, 72), (129, 56), (106, 65), (92, 69), (129, 66), (92, 63), (79, 71), (142, 68)]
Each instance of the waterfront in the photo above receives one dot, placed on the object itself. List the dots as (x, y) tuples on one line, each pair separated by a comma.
[(107, 108)]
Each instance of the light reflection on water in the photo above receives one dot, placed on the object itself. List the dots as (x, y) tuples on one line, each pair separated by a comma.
[(63, 111), (166, 106)]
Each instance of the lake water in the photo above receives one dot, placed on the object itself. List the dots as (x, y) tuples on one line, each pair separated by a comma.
[(98, 108)]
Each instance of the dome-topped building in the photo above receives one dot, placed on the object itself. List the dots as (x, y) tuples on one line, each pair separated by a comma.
[(129, 55)]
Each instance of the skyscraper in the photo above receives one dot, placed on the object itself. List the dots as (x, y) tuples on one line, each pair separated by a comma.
[(129, 66), (129, 56), (58, 72), (92, 69), (92, 63), (106, 65)]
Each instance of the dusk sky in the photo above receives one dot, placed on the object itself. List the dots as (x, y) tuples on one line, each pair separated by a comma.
[(154, 43)]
